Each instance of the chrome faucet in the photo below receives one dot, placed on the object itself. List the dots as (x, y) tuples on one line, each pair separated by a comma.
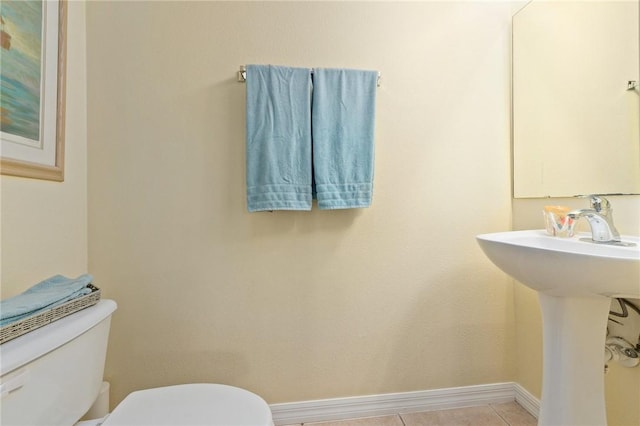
[(600, 220)]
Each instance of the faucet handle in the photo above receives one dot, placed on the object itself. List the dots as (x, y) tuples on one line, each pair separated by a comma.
[(598, 202)]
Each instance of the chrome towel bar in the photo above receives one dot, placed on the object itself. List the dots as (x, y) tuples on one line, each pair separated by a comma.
[(242, 75)]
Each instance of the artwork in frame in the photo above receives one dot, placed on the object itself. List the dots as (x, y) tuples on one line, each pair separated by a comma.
[(32, 91)]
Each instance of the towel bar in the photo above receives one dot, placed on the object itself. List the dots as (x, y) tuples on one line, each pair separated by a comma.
[(242, 75)]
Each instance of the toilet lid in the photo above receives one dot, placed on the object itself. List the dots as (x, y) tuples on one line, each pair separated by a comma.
[(191, 405)]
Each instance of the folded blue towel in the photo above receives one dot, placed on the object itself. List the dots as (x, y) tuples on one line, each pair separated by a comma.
[(278, 138), (343, 113), (45, 295)]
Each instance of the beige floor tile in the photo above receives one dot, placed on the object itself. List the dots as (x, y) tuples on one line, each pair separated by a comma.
[(514, 414), (366, 421), (470, 416)]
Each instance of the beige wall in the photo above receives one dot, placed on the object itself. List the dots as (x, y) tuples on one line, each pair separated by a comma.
[(44, 224), (292, 305), (299, 305), (622, 384)]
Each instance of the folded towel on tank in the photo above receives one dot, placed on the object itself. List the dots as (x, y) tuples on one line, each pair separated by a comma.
[(45, 295)]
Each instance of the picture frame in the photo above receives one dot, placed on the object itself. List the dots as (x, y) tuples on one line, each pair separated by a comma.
[(32, 136)]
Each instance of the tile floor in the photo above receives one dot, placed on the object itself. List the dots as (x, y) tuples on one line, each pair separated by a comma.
[(507, 414)]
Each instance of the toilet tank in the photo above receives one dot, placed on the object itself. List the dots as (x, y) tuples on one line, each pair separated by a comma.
[(52, 375)]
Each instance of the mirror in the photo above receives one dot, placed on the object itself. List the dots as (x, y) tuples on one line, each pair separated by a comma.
[(576, 124)]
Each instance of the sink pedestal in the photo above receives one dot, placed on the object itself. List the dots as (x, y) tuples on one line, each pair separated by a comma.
[(574, 333)]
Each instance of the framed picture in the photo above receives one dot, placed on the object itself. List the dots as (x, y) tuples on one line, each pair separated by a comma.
[(32, 94)]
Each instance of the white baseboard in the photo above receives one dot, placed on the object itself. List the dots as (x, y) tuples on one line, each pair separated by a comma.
[(405, 402), (527, 400)]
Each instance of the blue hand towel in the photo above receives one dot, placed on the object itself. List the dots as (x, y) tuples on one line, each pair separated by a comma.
[(343, 113), (278, 138), (45, 295)]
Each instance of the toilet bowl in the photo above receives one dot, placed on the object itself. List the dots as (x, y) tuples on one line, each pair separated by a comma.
[(53, 375)]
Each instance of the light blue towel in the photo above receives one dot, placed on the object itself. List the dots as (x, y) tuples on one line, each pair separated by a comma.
[(45, 295), (343, 113), (278, 138)]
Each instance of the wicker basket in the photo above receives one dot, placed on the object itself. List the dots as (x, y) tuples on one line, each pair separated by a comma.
[(16, 329)]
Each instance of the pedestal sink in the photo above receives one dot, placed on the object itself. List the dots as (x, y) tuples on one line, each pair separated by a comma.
[(575, 280)]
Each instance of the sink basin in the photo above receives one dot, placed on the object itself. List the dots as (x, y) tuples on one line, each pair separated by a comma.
[(566, 266), (575, 280)]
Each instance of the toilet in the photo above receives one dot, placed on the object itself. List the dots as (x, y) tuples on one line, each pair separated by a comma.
[(52, 375)]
